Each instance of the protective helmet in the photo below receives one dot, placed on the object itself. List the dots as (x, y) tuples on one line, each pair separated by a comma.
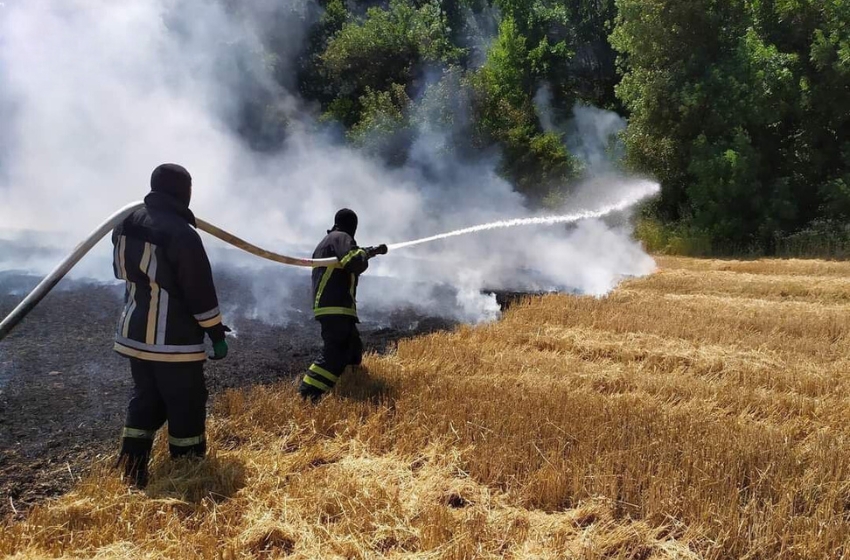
[(173, 180), (346, 220)]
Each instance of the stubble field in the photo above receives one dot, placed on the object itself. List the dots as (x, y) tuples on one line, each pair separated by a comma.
[(700, 413)]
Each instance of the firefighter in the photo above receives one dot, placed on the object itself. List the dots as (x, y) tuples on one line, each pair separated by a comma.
[(335, 304), (170, 304)]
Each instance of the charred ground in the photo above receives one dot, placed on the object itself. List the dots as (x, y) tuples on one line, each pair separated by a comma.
[(63, 390)]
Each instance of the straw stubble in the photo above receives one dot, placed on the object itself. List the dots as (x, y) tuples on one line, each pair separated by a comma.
[(700, 413)]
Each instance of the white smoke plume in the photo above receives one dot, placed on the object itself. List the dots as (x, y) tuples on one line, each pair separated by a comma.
[(592, 134), (94, 94), (593, 137)]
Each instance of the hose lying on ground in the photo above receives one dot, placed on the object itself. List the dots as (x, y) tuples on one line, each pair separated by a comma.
[(50, 281)]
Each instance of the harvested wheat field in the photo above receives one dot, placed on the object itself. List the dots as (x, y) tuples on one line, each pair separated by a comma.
[(701, 413)]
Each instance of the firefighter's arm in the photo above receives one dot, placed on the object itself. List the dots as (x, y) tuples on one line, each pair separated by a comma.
[(194, 276), (117, 254), (352, 258)]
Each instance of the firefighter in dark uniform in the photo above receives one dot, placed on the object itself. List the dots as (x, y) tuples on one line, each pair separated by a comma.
[(170, 304), (335, 304)]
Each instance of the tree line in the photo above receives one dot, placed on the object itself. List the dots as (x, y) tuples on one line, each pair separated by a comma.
[(739, 108)]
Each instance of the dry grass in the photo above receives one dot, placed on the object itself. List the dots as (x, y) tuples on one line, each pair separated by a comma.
[(773, 287), (785, 267), (703, 413)]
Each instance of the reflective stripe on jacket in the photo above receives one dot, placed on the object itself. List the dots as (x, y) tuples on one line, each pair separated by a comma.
[(335, 287), (170, 297)]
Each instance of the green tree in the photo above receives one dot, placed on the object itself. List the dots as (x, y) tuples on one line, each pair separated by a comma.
[(826, 102), (740, 109), (311, 80), (535, 161), (568, 47), (390, 46), (666, 46), (384, 129)]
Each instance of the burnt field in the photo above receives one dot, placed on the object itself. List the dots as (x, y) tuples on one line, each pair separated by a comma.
[(696, 414), (63, 390)]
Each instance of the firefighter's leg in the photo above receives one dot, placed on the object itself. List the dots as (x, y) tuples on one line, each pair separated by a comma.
[(355, 347), (145, 415), (184, 390), (325, 372)]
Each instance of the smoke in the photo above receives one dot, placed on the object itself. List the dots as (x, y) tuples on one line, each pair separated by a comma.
[(593, 137), (592, 134), (95, 94), (543, 104)]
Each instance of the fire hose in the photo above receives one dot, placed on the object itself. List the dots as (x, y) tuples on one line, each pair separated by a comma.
[(646, 189), (50, 281)]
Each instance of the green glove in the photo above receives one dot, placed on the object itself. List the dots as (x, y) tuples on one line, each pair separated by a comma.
[(219, 350)]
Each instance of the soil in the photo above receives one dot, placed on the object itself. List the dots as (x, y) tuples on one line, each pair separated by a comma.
[(63, 390)]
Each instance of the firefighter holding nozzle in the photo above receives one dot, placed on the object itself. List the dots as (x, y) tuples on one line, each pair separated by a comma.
[(335, 304)]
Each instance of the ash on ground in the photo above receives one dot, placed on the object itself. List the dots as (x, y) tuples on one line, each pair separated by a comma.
[(63, 390)]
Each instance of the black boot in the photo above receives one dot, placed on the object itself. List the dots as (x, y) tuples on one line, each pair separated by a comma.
[(309, 392), (195, 451), (135, 466), (134, 458)]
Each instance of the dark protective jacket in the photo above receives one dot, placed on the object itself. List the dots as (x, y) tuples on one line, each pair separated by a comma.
[(335, 287), (170, 300)]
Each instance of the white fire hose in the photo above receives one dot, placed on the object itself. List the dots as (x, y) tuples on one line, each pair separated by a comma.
[(644, 190), (49, 282)]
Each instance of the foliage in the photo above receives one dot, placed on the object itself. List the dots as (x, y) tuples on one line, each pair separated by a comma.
[(383, 129), (738, 108), (388, 47), (535, 160)]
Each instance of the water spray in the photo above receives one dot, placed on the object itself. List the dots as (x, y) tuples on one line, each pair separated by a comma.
[(50, 281), (539, 221)]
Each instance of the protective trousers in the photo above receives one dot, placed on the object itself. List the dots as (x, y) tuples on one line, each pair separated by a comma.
[(173, 392), (342, 347)]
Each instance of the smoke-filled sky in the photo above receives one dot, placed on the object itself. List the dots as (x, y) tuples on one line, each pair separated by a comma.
[(94, 94)]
